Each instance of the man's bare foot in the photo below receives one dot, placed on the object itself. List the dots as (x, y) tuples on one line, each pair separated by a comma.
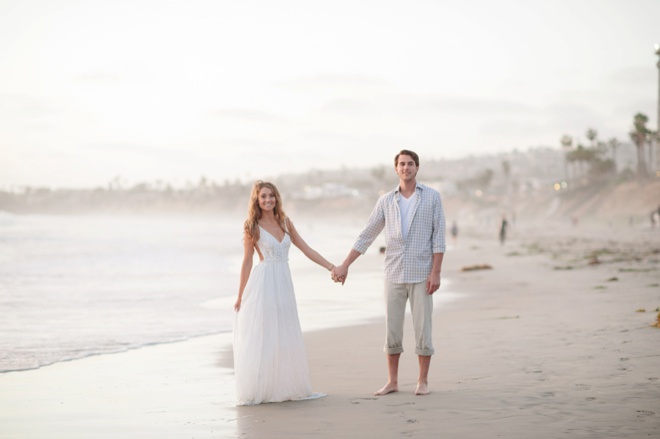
[(422, 389), (389, 388)]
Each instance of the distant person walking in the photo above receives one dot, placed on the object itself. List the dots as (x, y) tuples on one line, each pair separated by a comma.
[(454, 233), (655, 218), (504, 225)]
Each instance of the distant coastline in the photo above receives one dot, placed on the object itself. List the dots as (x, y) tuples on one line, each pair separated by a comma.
[(532, 185)]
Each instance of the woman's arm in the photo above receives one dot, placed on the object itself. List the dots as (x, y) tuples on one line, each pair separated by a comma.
[(312, 254), (246, 268)]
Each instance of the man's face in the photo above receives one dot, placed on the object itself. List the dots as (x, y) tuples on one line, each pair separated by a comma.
[(406, 168)]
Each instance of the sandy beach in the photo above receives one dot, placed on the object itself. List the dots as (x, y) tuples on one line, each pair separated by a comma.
[(551, 341)]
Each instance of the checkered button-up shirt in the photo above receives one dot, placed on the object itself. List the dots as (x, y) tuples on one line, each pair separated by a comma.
[(408, 261)]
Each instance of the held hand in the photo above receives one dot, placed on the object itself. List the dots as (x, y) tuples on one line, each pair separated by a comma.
[(433, 283), (339, 274), (333, 275), (332, 272), (237, 305)]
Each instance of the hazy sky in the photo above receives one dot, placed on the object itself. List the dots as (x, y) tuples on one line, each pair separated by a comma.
[(173, 90)]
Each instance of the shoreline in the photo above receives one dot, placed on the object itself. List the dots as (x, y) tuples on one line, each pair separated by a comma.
[(529, 350), (119, 352)]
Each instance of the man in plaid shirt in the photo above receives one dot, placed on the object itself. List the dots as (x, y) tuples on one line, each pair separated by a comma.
[(414, 224)]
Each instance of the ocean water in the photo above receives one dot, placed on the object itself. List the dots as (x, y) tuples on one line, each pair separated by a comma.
[(75, 286)]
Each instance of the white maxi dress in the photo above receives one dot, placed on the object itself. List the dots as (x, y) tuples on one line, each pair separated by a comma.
[(270, 363)]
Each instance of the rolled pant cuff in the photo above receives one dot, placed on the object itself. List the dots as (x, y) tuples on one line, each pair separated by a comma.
[(393, 351), (425, 352)]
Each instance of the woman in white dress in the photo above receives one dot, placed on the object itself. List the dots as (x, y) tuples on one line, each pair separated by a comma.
[(270, 364)]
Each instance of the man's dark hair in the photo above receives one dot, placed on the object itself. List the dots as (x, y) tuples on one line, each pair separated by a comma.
[(414, 156)]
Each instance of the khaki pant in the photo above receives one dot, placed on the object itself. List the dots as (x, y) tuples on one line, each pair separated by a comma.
[(421, 306)]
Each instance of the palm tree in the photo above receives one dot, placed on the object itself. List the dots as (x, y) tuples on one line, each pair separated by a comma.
[(581, 155), (639, 135), (614, 144), (592, 134), (566, 145), (506, 170)]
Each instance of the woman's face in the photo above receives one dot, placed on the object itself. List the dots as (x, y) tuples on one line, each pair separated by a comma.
[(267, 200)]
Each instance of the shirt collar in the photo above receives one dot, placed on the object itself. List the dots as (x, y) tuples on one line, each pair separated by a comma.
[(417, 186)]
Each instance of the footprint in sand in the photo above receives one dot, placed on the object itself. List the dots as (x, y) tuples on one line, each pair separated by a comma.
[(357, 400), (641, 413)]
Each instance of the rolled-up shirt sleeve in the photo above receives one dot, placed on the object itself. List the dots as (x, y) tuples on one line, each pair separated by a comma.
[(374, 226), (438, 239)]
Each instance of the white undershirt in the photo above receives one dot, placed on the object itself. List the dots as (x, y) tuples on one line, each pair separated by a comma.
[(405, 207)]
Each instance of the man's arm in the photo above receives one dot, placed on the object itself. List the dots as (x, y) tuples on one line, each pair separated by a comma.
[(438, 236), (374, 226), (433, 282), (438, 243)]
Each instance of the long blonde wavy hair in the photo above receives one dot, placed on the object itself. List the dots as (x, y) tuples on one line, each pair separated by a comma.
[(251, 225)]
